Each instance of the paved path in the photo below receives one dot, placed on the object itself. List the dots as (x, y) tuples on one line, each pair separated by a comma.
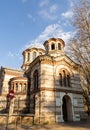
[(61, 126)]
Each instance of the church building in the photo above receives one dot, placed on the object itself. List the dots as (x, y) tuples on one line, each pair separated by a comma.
[(48, 86)]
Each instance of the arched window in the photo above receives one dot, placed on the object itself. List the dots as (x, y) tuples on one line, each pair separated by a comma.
[(53, 46), (64, 78), (34, 55), (60, 79), (24, 89), (68, 80), (59, 46), (35, 79)]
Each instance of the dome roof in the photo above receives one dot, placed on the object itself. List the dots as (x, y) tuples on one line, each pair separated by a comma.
[(33, 48)]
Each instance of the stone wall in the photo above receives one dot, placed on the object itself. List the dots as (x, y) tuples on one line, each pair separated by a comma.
[(20, 119), (45, 107), (78, 104)]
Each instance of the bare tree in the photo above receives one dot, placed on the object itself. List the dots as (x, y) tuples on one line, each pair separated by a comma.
[(79, 45)]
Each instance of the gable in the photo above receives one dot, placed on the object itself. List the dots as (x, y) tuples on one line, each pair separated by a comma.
[(65, 62)]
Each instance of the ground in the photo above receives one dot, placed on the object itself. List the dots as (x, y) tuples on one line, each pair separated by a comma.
[(61, 126)]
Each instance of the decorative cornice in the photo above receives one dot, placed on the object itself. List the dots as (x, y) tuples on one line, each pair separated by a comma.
[(56, 90), (18, 78)]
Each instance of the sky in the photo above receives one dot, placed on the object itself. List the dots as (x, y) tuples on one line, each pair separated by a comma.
[(28, 23)]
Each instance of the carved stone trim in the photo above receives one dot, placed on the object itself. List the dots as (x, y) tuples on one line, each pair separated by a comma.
[(56, 90)]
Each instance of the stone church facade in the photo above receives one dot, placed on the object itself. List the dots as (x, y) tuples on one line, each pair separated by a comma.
[(48, 86)]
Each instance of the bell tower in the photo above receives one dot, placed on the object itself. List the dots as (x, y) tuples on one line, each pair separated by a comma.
[(54, 47)]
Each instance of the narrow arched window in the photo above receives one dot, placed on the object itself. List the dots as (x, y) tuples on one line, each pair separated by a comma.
[(60, 79), (35, 77), (64, 78), (59, 46), (68, 80), (53, 46), (24, 89), (34, 55)]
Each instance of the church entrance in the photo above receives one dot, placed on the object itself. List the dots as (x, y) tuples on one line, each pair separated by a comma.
[(67, 108)]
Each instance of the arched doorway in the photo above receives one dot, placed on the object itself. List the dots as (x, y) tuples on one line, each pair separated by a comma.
[(67, 108)]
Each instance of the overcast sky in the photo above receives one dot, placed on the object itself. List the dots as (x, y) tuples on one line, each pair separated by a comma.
[(25, 23)]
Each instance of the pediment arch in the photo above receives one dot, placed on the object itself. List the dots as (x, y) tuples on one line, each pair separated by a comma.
[(61, 68)]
